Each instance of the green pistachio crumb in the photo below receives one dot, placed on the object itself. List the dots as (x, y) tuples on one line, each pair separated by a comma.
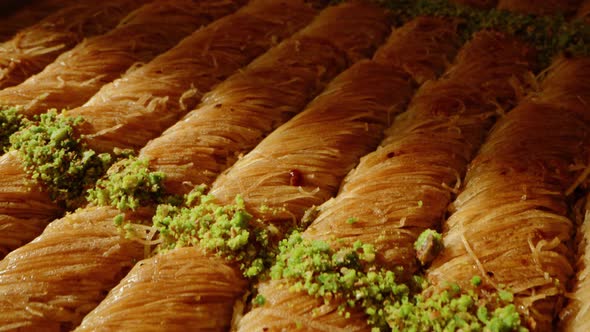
[(53, 155), (119, 219), (350, 274), (349, 271), (10, 122), (128, 185), (229, 231), (505, 296), (352, 220), (450, 311), (428, 246), (476, 281), (259, 300)]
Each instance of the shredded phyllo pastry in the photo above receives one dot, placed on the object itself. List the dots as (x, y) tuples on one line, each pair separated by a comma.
[(517, 189), (57, 298), (228, 232), (279, 165), (78, 74), (575, 316), (396, 196), (34, 47), (155, 94)]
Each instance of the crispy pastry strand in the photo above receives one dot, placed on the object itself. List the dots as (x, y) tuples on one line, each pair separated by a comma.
[(38, 292), (107, 256), (575, 316), (266, 168), (178, 305), (130, 111)]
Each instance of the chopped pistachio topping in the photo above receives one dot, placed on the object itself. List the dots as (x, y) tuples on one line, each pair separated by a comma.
[(259, 300), (476, 281), (226, 230), (348, 273), (351, 276), (352, 220), (451, 310), (54, 156), (10, 122), (128, 185), (428, 246)]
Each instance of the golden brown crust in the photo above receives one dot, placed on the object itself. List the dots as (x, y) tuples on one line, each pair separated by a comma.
[(25, 209), (78, 74), (29, 51), (510, 224), (210, 73), (575, 316), (422, 47), (349, 116), (242, 110), (286, 310), (174, 291), (377, 103), (53, 282), (140, 106), (404, 187)]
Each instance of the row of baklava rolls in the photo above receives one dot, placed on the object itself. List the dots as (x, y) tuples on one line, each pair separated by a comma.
[(394, 194), (306, 62)]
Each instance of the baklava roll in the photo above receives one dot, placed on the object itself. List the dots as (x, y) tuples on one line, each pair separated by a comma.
[(566, 84), (49, 298), (51, 283), (575, 317), (422, 47), (309, 75)]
